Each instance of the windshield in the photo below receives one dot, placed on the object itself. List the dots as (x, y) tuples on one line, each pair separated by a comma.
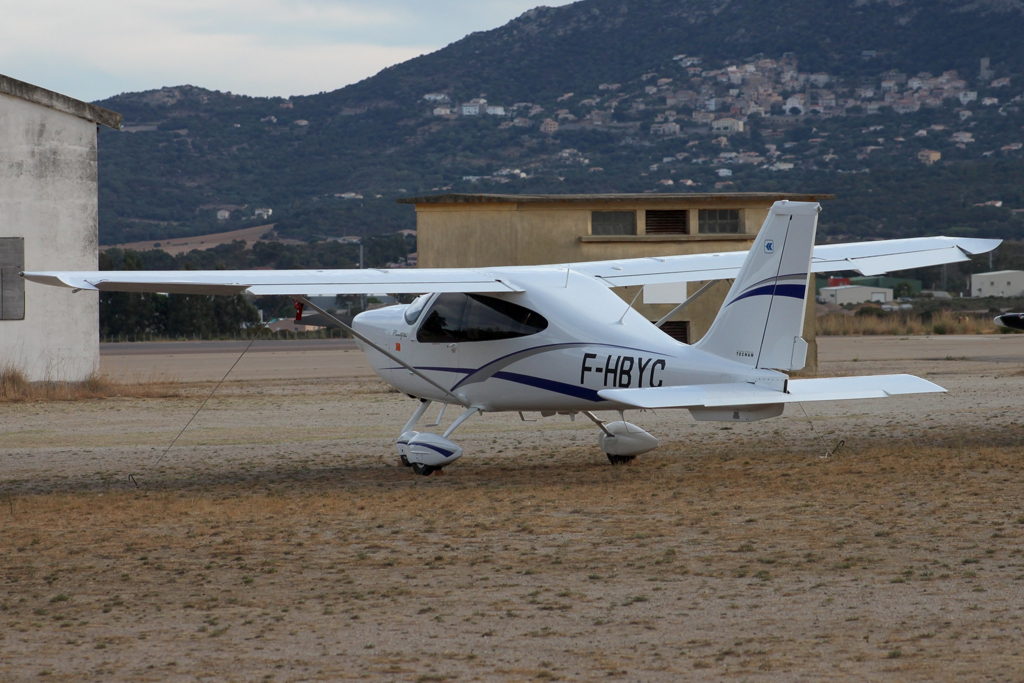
[(413, 310)]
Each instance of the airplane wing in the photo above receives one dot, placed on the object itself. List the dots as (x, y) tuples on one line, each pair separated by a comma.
[(742, 394), (867, 258), (283, 282)]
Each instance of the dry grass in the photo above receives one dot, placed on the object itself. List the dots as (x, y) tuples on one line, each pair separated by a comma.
[(941, 322), (757, 569), (16, 388)]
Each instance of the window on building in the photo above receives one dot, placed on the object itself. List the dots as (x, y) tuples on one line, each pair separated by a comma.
[(678, 330), (667, 222), (470, 318), (718, 221), (12, 285), (613, 222)]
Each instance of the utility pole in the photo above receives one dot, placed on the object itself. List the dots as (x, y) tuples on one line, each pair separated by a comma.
[(362, 297)]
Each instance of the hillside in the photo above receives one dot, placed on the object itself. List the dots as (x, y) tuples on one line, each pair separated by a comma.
[(886, 104)]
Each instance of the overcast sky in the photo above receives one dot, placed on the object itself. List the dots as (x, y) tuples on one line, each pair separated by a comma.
[(91, 50)]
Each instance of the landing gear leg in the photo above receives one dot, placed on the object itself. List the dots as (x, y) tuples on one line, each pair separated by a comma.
[(428, 453), (407, 433)]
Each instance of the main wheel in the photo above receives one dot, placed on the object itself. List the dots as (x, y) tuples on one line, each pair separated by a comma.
[(620, 459), (423, 470), (405, 461)]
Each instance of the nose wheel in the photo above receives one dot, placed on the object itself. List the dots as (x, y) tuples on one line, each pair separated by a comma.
[(620, 459)]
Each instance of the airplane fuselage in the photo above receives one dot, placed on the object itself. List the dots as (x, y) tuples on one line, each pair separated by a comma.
[(590, 340)]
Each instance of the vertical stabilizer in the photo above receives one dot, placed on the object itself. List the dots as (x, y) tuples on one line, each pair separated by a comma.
[(762, 319)]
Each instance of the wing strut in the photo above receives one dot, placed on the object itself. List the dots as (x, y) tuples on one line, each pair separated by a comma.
[(381, 349), (689, 300)]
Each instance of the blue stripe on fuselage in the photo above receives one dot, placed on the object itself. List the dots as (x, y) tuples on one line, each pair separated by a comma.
[(550, 385)]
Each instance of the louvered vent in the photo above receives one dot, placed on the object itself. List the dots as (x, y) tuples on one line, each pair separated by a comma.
[(666, 222), (678, 330)]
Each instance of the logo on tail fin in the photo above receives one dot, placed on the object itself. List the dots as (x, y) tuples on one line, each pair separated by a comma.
[(769, 246)]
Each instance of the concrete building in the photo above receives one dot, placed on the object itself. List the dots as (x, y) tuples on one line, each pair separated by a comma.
[(48, 221), (998, 283), (854, 294), (472, 230)]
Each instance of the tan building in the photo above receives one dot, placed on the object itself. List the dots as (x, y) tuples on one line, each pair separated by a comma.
[(472, 230), (928, 156)]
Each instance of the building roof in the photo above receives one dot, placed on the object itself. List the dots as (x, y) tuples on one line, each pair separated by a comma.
[(651, 198), (998, 272), (63, 103)]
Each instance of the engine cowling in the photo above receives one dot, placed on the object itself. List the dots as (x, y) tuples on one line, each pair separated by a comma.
[(431, 450), (626, 439)]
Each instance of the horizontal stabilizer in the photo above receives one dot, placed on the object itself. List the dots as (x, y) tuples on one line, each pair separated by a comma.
[(800, 390)]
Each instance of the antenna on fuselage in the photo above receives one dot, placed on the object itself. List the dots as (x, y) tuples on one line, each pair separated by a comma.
[(638, 292), (568, 267)]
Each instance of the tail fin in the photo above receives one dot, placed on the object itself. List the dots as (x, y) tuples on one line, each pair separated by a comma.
[(762, 319)]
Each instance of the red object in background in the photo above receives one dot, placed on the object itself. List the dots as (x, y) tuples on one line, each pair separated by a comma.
[(838, 281), (298, 311)]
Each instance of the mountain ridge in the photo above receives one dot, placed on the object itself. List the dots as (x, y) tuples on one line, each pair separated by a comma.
[(333, 163)]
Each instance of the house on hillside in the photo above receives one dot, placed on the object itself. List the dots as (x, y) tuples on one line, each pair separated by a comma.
[(727, 126), (223, 215), (928, 156), (549, 126), (670, 128)]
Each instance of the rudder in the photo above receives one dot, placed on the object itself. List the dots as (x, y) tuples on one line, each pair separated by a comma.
[(761, 322)]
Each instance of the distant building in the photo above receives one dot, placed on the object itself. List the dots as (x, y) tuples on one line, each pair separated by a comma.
[(470, 109), (549, 126), (495, 110), (963, 136), (998, 283), (301, 122), (985, 72), (724, 172), (223, 215), (442, 111), (670, 128), (854, 294), (435, 97), (262, 213), (727, 126), (928, 156), (968, 96), (492, 230), (48, 209)]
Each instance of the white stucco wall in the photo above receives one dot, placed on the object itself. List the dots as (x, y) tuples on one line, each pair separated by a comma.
[(48, 195)]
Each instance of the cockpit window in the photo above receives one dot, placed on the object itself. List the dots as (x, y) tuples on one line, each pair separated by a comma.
[(413, 310), (474, 317)]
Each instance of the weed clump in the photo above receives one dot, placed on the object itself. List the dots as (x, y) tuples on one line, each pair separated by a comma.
[(15, 387)]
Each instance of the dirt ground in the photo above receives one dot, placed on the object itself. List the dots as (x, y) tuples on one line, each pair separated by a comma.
[(279, 539)]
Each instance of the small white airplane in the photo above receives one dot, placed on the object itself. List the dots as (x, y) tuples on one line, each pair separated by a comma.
[(558, 340)]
